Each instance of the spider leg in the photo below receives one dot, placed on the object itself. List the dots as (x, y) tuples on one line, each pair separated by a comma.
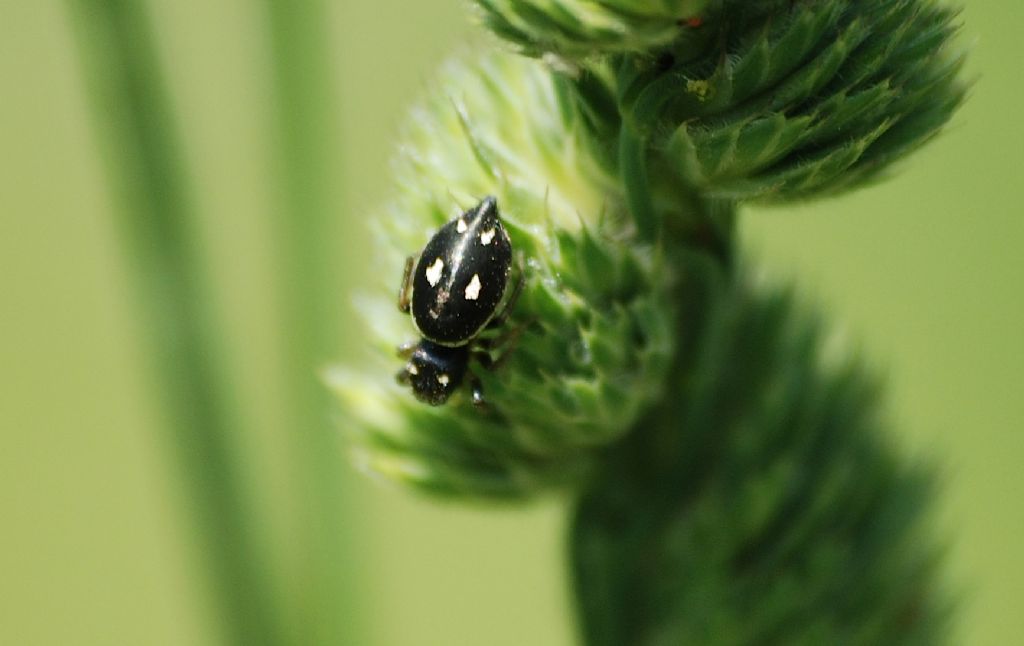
[(406, 288), (507, 342), (517, 290), (405, 350)]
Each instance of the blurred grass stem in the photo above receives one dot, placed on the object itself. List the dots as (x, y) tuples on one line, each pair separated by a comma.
[(157, 220)]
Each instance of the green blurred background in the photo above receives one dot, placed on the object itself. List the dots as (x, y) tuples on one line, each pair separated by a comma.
[(925, 273)]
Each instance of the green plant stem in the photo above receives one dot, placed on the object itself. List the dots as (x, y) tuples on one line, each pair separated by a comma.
[(309, 203), (134, 116), (759, 503)]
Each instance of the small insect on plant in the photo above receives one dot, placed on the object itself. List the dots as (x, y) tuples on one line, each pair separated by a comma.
[(454, 294)]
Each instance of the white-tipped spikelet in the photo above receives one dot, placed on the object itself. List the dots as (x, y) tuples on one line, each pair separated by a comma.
[(576, 29), (592, 328), (766, 100)]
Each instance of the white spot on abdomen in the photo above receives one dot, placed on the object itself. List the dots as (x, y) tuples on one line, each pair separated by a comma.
[(486, 237), (473, 288), (442, 379), (434, 271), (461, 226)]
